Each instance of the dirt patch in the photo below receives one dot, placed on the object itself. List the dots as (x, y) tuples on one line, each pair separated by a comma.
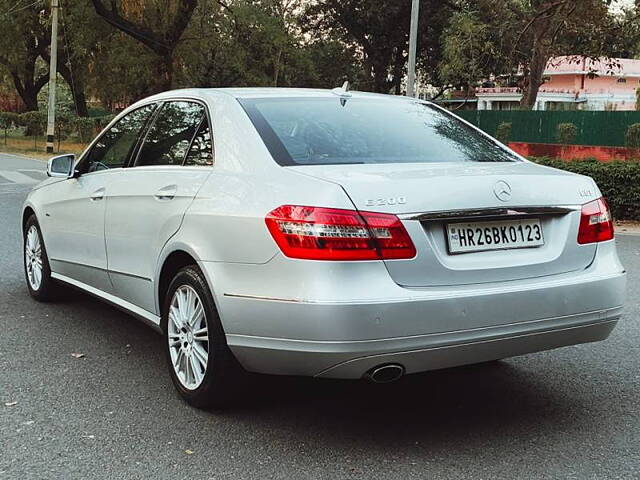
[(36, 148), (628, 227)]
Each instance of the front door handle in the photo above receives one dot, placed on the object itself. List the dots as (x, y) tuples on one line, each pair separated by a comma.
[(166, 193), (98, 194)]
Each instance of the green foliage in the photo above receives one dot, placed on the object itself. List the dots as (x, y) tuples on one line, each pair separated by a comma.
[(34, 122), (473, 44), (566, 133), (619, 182), (85, 128), (503, 132), (637, 99), (102, 121), (632, 137), (380, 31), (8, 120), (319, 43)]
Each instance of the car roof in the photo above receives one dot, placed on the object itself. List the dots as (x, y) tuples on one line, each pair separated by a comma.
[(262, 92)]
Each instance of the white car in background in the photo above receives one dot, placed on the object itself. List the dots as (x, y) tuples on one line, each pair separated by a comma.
[(322, 233)]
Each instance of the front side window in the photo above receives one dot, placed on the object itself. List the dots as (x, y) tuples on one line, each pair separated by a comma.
[(326, 130), (171, 134), (113, 148)]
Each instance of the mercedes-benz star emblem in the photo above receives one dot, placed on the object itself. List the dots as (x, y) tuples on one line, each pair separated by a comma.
[(502, 190)]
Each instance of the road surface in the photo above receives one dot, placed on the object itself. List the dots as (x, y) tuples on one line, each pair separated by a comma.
[(572, 413)]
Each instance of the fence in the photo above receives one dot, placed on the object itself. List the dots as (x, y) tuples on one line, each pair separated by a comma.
[(594, 127)]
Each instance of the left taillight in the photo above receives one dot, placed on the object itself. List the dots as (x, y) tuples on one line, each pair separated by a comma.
[(317, 233), (596, 224)]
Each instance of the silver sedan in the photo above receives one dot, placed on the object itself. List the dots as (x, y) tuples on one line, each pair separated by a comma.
[(324, 233)]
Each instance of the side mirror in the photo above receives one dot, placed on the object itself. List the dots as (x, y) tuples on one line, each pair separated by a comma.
[(61, 166)]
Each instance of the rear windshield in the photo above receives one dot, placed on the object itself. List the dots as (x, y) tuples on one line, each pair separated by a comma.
[(335, 130)]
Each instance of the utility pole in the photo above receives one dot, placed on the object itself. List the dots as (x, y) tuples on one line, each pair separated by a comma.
[(53, 71), (413, 38)]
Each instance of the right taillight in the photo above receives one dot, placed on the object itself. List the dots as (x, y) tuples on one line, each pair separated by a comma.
[(596, 224)]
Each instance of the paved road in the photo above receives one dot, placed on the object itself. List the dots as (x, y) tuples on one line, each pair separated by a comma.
[(570, 413)]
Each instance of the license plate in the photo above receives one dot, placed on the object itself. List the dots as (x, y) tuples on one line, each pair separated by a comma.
[(494, 235)]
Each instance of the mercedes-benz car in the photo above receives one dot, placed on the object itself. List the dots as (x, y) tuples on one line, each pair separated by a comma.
[(324, 233)]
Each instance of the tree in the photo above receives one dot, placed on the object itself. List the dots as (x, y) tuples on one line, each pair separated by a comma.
[(26, 39), (23, 37), (121, 71), (157, 24), (81, 31), (559, 27), (475, 45), (519, 37), (380, 31), (258, 43)]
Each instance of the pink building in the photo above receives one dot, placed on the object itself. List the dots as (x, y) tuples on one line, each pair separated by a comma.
[(575, 83)]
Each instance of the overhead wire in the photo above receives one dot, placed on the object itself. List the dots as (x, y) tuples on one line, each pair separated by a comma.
[(14, 9)]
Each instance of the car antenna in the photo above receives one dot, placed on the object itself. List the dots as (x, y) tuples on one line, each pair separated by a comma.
[(343, 92)]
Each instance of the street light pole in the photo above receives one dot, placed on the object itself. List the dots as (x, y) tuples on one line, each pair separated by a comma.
[(413, 38), (53, 70)]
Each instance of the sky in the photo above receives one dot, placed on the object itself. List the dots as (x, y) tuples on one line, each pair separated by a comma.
[(618, 4)]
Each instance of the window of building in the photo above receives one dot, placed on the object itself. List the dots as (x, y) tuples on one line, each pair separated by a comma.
[(622, 80)]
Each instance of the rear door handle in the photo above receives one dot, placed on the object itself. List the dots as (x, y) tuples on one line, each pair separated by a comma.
[(166, 193), (98, 194)]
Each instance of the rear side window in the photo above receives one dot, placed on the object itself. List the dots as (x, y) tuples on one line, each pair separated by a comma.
[(113, 148), (334, 130), (171, 134), (201, 151)]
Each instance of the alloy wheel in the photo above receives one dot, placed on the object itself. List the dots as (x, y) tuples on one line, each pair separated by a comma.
[(33, 257), (188, 337)]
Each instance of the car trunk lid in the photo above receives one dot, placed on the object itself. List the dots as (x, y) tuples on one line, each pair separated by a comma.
[(428, 197)]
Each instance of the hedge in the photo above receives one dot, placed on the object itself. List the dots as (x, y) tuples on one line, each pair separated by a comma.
[(566, 133), (619, 182), (503, 133), (632, 137)]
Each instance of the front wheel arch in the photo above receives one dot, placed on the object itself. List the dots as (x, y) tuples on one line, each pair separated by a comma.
[(26, 215)]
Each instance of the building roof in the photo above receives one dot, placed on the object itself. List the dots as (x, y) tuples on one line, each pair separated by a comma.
[(579, 65)]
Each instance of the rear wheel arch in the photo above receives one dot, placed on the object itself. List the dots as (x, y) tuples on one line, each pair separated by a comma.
[(175, 261), (172, 264)]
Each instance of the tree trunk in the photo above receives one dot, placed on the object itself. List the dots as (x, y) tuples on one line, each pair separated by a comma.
[(380, 77), (398, 71), (77, 90), (28, 90), (80, 102), (533, 80), (164, 73), (276, 67), (29, 97)]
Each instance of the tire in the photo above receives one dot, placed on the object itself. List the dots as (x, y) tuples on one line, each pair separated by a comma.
[(37, 271), (219, 382)]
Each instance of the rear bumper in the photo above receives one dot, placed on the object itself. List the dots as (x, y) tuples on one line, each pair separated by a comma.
[(343, 321), (417, 354)]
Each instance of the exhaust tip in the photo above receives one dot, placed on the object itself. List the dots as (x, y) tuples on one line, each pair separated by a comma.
[(385, 373)]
